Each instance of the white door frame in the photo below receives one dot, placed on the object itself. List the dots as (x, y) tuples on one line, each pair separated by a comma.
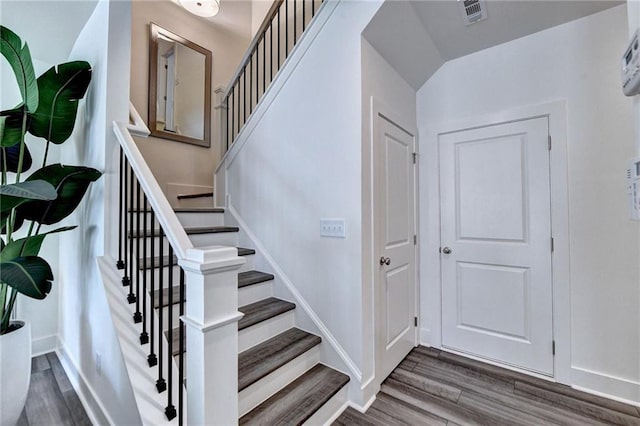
[(431, 331), (380, 109)]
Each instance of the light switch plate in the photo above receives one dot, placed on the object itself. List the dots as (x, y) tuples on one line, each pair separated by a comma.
[(334, 228)]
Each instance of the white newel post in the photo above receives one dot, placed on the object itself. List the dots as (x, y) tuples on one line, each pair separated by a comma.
[(212, 334)]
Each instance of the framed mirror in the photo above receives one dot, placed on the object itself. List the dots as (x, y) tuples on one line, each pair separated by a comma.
[(179, 88)]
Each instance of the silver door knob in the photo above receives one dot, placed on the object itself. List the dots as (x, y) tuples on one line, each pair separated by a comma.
[(385, 261), (446, 250)]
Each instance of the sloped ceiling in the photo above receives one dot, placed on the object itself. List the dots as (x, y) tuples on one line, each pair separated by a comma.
[(417, 37)]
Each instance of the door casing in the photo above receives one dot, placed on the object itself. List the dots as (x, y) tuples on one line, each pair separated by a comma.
[(430, 332)]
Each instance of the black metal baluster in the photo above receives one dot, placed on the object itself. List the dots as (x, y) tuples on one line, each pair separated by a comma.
[(161, 385), (279, 38), (137, 315), (125, 279), (170, 410), (230, 112), (271, 52), (304, 15), (264, 63), (122, 238), (244, 96), (144, 336), (286, 29), (295, 21), (152, 359), (250, 85), (181, 354), (131, 297), (238, 109), (257, 72), (313, 8)]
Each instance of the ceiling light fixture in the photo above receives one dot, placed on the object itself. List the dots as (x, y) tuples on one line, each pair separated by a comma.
[(204, 8)]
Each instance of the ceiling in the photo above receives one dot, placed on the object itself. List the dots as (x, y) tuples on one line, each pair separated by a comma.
[(417, 37)]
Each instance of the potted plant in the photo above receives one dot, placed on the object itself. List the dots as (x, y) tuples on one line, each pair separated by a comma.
[(47, 196)]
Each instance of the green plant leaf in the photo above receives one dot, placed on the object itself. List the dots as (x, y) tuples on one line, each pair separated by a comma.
[(4, 217), (19, 58), (13, 157), (60, 90), (15, 194), (71, 183), (11, 126), (30, 275), (27, 246)]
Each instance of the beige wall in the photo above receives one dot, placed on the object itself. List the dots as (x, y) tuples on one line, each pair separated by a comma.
[(227, 35)]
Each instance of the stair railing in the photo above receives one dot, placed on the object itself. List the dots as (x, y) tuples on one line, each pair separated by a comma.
[(283, 26), (203, 349)]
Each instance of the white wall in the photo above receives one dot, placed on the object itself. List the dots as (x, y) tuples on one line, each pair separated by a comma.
[(86, 328), (259, 9), (580, 62), (397, 99), (175, 162), (286, 177)]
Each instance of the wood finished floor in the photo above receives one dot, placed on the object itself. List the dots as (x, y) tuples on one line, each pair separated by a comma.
[(51, 399), (431, 387)]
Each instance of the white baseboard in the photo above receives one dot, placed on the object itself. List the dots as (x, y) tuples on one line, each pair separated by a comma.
[(605, 385), (92, 405), (44, 345)]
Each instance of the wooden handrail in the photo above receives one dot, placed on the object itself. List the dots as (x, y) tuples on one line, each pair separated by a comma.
[(254, 44)]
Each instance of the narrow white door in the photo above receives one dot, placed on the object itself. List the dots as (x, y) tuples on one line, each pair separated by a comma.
[(496, 243), (395, 286)]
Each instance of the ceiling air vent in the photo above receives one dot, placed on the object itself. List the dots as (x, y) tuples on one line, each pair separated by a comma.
[(473, 11)]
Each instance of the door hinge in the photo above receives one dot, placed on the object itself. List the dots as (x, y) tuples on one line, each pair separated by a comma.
[(415, 157), (553, 347), (552, 245), (415, 240), (549, 142), (415, 321)]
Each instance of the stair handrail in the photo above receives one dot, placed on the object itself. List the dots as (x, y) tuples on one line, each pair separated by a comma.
[(167, 218), (266, 23)]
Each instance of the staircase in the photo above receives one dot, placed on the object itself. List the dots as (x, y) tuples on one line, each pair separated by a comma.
[(280, 377)]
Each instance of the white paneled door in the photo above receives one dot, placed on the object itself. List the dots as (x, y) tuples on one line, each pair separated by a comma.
[(395, 259), (496, 243)]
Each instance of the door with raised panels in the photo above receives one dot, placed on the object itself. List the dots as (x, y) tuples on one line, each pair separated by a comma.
[(395, 289), (496, 243)]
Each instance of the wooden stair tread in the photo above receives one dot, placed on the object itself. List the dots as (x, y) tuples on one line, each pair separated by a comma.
[(297, 402), (198, 210), (253, 277), (155, 262), (266, 357), (175, 290), (189, 231), (194, 195), (262, 311)]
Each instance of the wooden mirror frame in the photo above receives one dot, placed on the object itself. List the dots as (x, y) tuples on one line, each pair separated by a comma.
[(155, 32)]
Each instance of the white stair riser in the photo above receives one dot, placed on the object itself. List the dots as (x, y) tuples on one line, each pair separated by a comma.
[(265, 330), (229, 239), (330, 410), (197, 219), (175, 320), (248, 266), (258, 392), (255, 293)]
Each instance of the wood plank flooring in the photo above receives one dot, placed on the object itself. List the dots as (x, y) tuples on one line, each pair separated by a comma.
[(51, 399), (431, 387)]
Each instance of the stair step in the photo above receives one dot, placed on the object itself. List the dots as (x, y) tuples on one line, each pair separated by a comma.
[(268, 356), (189, 231), (194, 195), (262, 311), (175, 290), (198, 210), (155, 262), (297, 402), (253, 277)]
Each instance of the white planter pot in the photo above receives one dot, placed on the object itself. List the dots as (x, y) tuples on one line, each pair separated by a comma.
[(15, 372)]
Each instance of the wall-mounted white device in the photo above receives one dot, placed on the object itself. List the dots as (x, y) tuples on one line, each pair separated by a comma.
[(633, 188), (631, 67)]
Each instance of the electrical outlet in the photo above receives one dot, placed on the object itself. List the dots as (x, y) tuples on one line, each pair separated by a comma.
[(98, 363), (334, 228)]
